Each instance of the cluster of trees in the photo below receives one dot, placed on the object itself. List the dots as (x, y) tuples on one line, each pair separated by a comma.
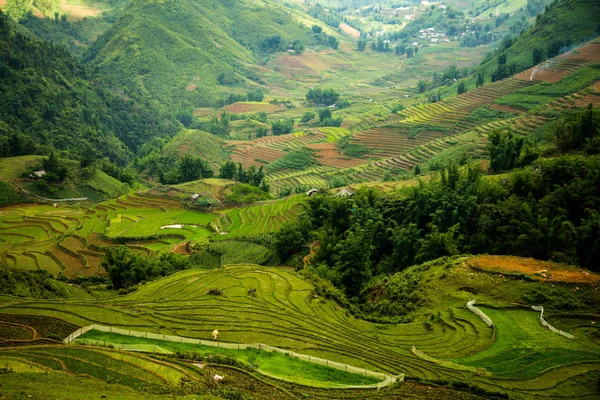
[(324, 38), (187, 169), (127, 269), (326, 118), (322, 96), (282, 126), (252, 175)]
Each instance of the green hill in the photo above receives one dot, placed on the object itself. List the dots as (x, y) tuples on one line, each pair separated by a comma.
[(48, 101), (189, 54), (565, 24)]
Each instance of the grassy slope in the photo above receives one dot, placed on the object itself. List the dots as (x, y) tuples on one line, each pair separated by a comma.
[(157, 50), (198, 144)]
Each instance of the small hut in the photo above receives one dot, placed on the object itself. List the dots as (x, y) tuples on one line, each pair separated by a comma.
[(311, 192)]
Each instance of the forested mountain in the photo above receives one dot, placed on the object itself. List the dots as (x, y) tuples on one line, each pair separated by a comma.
[(50, 100), (188, 53)]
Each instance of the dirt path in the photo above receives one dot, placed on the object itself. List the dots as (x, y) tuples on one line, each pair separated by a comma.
[(307, 259)]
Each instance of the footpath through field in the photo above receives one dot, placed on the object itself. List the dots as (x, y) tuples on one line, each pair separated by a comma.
[(386, 379)]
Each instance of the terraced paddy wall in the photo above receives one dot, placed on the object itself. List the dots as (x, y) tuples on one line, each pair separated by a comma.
[(386, 379), (546, 325)]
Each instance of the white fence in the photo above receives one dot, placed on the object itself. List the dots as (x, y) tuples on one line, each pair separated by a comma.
[(546, 325), (485, 318), (386, 379)]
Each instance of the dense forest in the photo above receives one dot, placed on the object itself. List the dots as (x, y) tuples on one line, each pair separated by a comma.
[(61, 105)]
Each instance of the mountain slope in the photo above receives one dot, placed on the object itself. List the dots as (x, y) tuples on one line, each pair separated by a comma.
[(564, 25), (49, 102), (180, 52)]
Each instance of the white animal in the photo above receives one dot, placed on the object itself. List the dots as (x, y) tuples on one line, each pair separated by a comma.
[(218, 378), (215, 334)]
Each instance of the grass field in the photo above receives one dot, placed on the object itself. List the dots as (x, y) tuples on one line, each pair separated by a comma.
[(275, 364)]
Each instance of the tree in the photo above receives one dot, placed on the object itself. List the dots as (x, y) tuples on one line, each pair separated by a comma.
[(353, 261), (538, 56), (437, 244), (462, 87), (422, 85), (324, 114), (191, 169), (307, 117), (227, 170), (298, 47), (282, 126), (317, 29), (16, 9), (362, 44), (480, 79)]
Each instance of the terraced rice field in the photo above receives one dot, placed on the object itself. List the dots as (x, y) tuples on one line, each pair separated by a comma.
[(70, 240), (270, 148), (286, 314), (259, 219)]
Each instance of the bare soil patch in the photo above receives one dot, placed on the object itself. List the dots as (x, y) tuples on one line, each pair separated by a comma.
[(77, 13), (587, 52), (190, 88), (242, 107), (203, 112), (180, 248), (349, 30), (537, 269), (545, 75), (328, 154)]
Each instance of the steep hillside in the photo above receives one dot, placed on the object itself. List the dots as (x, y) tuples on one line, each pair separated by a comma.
[(564, 25), (49, 102), (188, 54)]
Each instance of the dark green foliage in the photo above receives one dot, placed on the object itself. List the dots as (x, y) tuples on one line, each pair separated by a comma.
[(292, 237), (579, 130), (462, 87), (37, 284), (54, 96), (255, 95), (187, 169), (127, 269), (362, 44), (322, 96), (504, 149), (297, 160), (282, 126), (309, 115)]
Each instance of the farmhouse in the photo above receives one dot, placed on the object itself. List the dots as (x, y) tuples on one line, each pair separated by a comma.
[(311, 192)]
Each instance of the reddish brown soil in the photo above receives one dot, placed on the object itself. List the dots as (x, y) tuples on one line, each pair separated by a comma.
[(328, 154), (349, 30), (546, 75), (537, 269), (180, 248), (588, 52), (239, 108), (190, 88)]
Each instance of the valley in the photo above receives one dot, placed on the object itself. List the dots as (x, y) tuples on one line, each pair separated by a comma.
[(259, 199)]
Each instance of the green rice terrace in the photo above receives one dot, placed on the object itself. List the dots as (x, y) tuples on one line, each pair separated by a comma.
[(70, 240), (252, 304)]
